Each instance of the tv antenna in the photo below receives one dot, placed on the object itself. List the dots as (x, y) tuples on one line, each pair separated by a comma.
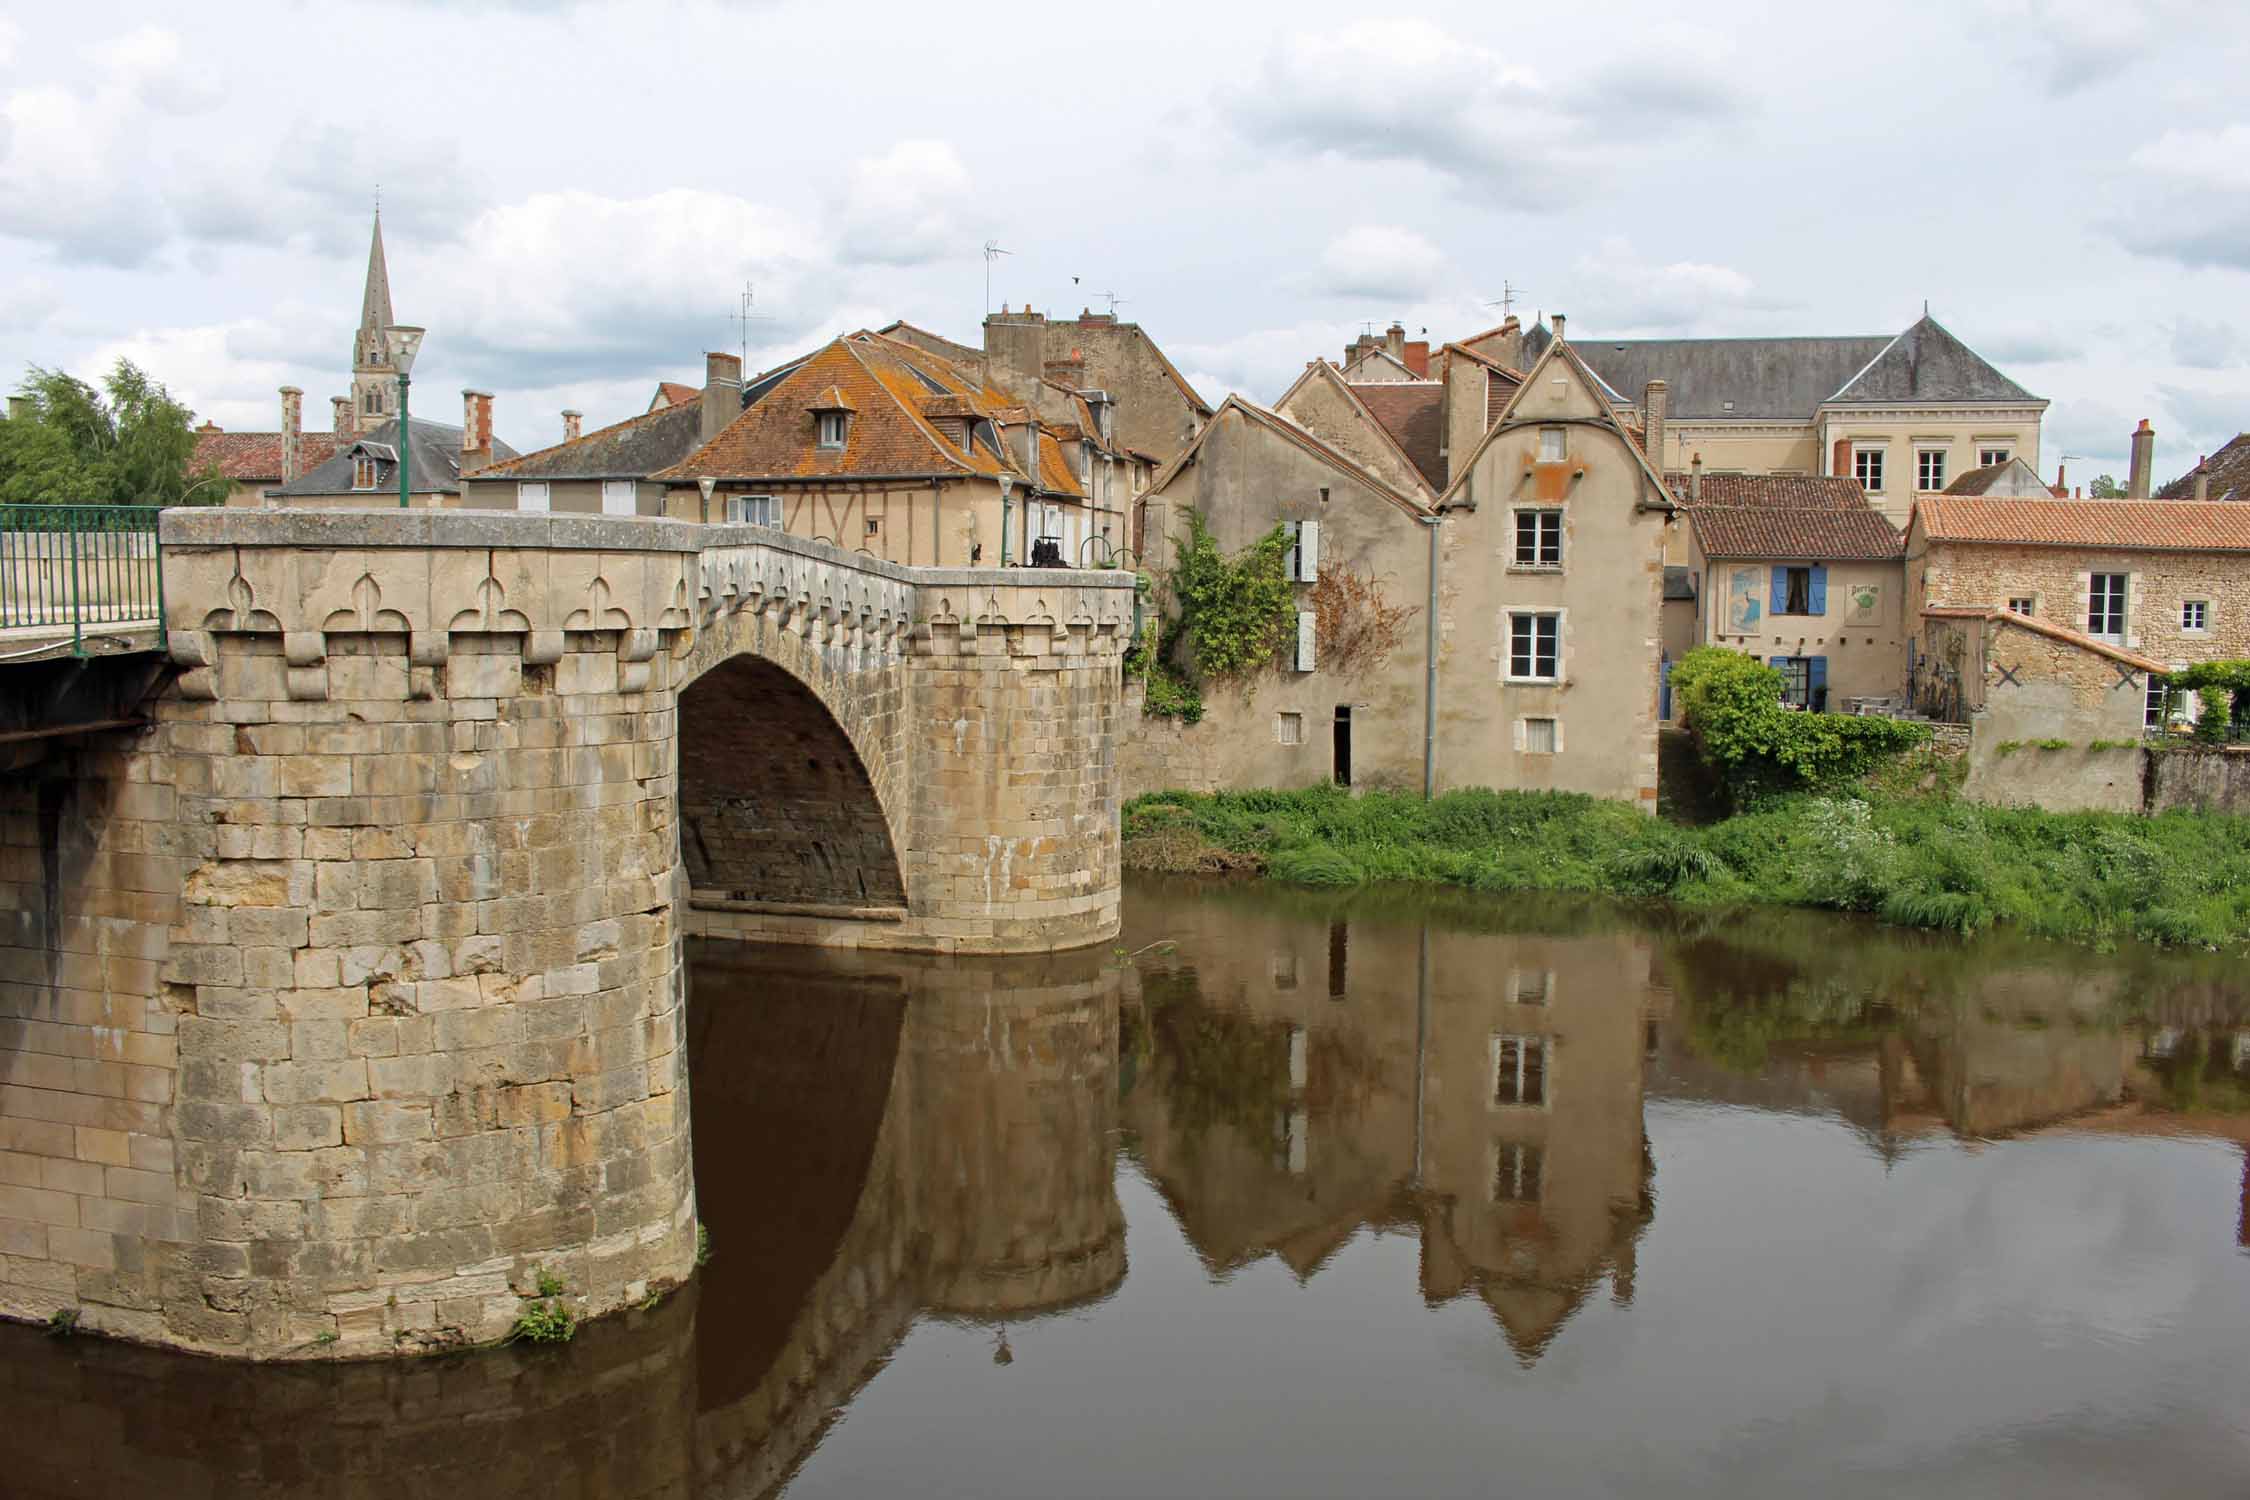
[(992, 252), (743, 316), (1506, 301), (1115, 301)]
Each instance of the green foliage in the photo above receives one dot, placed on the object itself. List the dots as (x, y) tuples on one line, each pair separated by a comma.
[(2181, 879), (702, 1244), (1732, 704), (2105, 487), (62, 1323), (2052, 744), (544, 1322), (128, 443), (2113, 744), (550, 1285), (325, 1337), (2007, 748), (1234, 612)]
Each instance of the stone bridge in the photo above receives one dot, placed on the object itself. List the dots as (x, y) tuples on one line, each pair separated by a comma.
[(352, 980)]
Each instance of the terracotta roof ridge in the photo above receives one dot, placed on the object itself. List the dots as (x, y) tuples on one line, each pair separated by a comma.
[(858, 352)]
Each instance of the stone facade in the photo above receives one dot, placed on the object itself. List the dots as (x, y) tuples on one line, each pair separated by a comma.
[(1158, 412), (347, 997), (2055, 579)]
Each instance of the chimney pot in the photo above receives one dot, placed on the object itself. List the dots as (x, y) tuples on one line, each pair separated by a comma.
[(571, 421), (2144, 460), (292, 432), (1558, 328), (340, 416), (1695, 479), (2203, 476)]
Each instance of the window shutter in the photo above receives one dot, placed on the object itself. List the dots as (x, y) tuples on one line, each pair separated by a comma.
[(1777, 662), (1819, 592), (1817, 680), (1779, 603), (1308, 552), (1304, 640)]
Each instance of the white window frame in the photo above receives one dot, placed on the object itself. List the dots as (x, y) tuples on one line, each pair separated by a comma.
[(1525, 1044), (616, 490), (2123, 597), (2155, 696), (2029, 604), (1531, 987), (367, 473), (754, 510), (1516, 515), (533, 494), (1925, 459), (2201, 616), (1288, 728), (1987, 457), (1866, 458), (830, 429), (1509, 616)]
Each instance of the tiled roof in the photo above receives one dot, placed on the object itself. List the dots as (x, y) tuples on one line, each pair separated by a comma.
[(1773, 532), (2131, 525), (254, 457), (632, 449), (1783, 491), (886, 382), (2013, 478), (434, 454), (2229, 469), (672, 393), (1413, 413), (2046, 628)]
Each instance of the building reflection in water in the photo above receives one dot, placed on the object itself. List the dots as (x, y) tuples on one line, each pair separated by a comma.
[(881, 1142)]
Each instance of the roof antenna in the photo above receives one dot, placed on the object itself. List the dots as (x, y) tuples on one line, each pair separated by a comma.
[(1115, 301), (745, 317), (1506, 301), (992, 252)]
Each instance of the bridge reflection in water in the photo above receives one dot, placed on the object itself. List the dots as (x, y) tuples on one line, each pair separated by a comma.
[(1463, 1091)]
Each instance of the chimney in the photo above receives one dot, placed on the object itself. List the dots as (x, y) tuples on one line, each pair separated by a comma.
[(2062, 483), (1511, 342), (2144, 459), (1417, 358), (1695, 480), (1558, 328), (476, 430), (340, 416), (292, 433), (2203, 476), (1656, 401), (1394, 342), (571, 419), (722, 394)]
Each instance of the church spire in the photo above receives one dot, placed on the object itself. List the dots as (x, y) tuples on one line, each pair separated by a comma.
[(375, 302), (374, 383)]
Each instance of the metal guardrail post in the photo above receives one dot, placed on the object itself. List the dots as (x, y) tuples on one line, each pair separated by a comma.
[(77, 610)]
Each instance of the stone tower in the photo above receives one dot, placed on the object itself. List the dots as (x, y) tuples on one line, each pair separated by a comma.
[(374, 383)]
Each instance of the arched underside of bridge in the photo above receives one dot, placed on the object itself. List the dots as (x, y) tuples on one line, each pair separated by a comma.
[(777, 810)]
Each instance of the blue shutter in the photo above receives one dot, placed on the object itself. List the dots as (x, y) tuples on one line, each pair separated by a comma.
[(1777, 661), (1779, 579), (1817, 680), (1819, 595)]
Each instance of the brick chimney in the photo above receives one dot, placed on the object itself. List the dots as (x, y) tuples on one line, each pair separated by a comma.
[(2144, 460), (2062, 482), (571, 421), (1695, 480), (1656, 402), (340, 416), (2203, 476), (292, 433), (722, 394), (1558, 328), (476, 430), (1417, 358)]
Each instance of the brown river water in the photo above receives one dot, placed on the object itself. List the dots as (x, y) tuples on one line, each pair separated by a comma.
[(1306, 1194)]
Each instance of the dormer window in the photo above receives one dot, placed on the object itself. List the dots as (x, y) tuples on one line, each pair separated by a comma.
[(366, 473), (832, 425)]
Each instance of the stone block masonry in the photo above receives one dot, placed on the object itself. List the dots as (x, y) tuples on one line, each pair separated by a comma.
[(346, 998)]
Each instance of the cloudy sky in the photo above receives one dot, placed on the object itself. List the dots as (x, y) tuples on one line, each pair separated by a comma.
[(575, 193)]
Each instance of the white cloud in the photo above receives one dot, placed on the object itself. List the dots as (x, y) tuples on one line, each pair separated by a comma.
[(2218, 160), (2076, 44), (1618, 292), (150, 64), (2202, 345), (902, 207), (2189, 197), (1381, 261)]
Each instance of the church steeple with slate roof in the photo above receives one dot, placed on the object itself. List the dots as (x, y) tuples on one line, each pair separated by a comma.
[(374, 383)]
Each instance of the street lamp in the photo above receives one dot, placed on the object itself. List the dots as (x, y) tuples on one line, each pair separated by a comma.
[(402, 341)]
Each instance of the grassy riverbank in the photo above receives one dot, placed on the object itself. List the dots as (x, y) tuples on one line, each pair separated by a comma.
[(2181, 879)]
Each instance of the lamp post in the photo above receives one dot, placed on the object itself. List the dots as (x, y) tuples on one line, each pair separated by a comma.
[(402, 341)]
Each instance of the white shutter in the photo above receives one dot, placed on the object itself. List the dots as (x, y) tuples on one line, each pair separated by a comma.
[(618, 498), (1308, 552), (530, 496), (1304, 640)]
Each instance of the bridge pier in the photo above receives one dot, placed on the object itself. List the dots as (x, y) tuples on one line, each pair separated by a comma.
[(346, 998)]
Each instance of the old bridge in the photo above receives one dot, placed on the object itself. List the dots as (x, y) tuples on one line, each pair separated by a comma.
[(343, 956)]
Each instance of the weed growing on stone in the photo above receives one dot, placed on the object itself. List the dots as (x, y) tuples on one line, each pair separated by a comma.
[(702, 1246), (63, 1323), (326, 1336), (550, 1285), (547, 1322)]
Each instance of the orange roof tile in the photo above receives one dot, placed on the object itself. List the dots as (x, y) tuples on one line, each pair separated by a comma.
[(2135, 525), (247, 457), (672, 393), (1784, 491), (2046, 628)]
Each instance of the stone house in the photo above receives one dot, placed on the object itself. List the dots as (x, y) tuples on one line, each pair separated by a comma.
[(1352, 418), (1544, 560), (2024, 679), (1372, 359), (1158, 412), (2012, 480), (607, 471), (873, 443), (1813, 592), (1904, 414), (2224, 475), (363, 470)]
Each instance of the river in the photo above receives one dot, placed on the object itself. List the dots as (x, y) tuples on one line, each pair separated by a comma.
[(1304, 1194)]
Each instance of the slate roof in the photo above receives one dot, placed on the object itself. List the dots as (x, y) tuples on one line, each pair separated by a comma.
[(2124, 525), (1788, 491), (255, 457), (1789, 379), (2230, 474), (631, 449), (1413, 413), (433, 457), (2048, 628), (1766, 532)]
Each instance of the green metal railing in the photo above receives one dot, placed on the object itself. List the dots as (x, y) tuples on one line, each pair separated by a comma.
[(80, 568)]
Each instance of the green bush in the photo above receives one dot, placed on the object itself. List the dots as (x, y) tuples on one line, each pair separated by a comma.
[(1732, 704), (1234, 612)]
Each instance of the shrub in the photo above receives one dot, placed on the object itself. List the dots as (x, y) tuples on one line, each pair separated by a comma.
[(1234, 612), (1732, 704)]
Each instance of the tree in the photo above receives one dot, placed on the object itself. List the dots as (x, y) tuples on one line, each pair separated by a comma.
[(2105, 488), (128, 443)]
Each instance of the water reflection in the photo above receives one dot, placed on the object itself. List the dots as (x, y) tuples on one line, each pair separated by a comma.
[(1943, 1217)]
